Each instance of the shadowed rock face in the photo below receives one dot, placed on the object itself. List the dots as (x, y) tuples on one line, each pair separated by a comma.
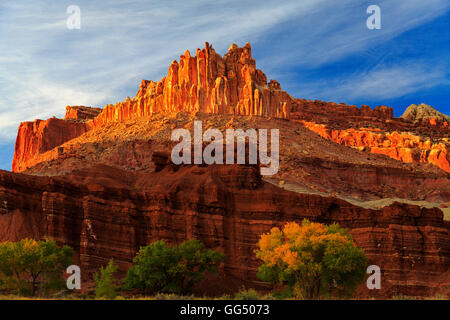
[(106, 213)]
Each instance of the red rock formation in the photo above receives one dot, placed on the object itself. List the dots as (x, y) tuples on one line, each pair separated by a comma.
[(206, 83), (401, 146), (34, 138), (100, 213), (321, 111), (81, 112), (210, 83)]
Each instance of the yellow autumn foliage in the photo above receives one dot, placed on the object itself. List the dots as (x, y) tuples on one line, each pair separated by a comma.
[(310, 254)]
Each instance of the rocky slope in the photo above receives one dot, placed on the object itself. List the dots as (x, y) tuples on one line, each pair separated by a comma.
[(425, 113), (306, 159)]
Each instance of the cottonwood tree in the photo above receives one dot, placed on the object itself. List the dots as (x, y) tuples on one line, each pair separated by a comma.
[(160, 267), (313, 259), (27, 264)]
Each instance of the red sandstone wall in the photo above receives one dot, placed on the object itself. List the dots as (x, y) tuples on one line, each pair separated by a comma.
[(99, 213)]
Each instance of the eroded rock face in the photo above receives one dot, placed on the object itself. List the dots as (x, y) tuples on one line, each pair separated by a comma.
[(100, 213), (81, 112), (424, 113), (39, 136), (208, 83), (321, 111), (402, 146)]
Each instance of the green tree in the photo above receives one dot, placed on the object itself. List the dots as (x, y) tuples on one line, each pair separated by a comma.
[(312, 259), (28, 263), (105, 283), (159, 267)]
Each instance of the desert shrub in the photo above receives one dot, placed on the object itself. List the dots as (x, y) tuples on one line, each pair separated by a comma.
[(313, 259), (105, 283), (247, 294), (29, 265), (403, 297), (286, 294), (164, 268), (171, 296)]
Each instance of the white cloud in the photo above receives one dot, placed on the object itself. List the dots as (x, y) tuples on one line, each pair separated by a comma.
[(380, 83)]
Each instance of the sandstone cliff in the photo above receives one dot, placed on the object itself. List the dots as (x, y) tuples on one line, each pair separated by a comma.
[(105, 213), (402, 146)]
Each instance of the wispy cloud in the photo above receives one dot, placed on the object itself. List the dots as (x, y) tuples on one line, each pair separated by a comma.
[(334, 31), (44, 66), (380, 83)]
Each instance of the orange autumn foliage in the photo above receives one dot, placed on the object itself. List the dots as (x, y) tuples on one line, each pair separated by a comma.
[(312, 258)]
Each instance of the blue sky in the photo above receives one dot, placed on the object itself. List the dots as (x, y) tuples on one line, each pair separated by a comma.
[(316, 49)]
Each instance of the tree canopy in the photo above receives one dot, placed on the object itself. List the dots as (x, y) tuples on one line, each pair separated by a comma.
[(28, 263), (312, 259), (159, 267)]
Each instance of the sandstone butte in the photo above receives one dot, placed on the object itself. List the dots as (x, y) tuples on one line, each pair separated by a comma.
[(133, 195), (210, 83)]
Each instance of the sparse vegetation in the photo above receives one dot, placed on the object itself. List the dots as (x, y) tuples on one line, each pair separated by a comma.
[(310, 252), (247, 294)]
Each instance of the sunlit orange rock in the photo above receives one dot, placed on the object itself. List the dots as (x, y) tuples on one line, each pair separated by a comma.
[(402, 146), (81, 112), (39, 136), (208, 83)]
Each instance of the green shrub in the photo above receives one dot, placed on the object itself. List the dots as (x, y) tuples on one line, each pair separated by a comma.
[(247, 294), (159, 267), (105, 283), (284, 295)]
